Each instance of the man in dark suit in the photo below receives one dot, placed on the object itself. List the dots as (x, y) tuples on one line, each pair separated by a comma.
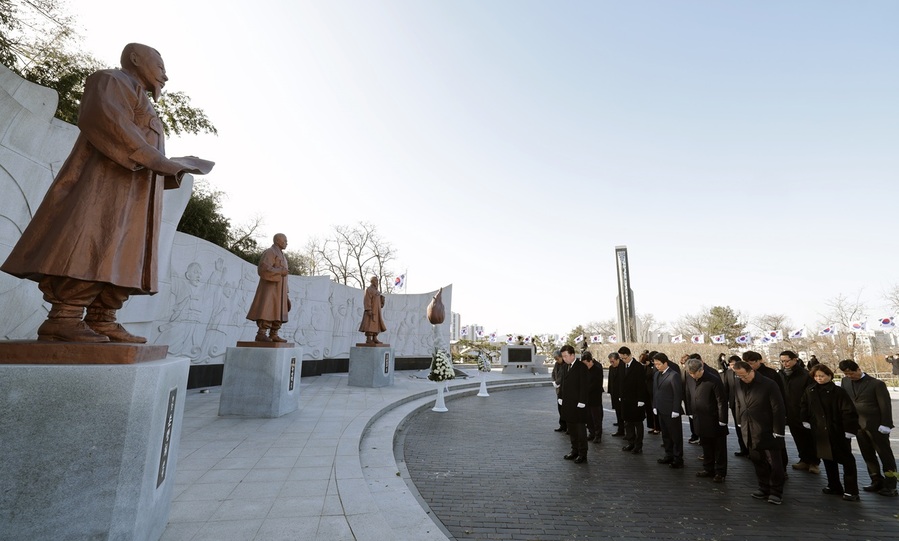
[(875, 419), (708, 404), (573, 399), (761, 417), (668, 394), (594, 403), (558, 375), (754, 359), (632, 396), (795, 381), (730, 381), (614, 387), (689, 386)]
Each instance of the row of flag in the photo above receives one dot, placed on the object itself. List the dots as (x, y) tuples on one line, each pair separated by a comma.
[(768, 337)]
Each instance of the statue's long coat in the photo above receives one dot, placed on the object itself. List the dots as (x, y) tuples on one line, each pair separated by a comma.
[(100, 218), (270, 302)]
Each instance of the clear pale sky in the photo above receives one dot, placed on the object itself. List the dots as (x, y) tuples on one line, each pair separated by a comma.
[(744, 151)]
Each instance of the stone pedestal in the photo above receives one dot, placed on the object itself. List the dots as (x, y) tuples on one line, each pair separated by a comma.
[(89, 451), (261, 382), (371, 366)]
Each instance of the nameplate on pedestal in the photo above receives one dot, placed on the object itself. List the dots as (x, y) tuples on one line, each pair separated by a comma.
[(366, 345)]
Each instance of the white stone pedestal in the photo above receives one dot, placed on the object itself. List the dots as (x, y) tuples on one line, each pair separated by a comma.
[(261, 382), (371, 366), (89, 451)]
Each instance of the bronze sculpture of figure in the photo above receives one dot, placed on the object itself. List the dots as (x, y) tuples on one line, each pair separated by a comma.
[(372, 322), (93, 241), (271, 305)]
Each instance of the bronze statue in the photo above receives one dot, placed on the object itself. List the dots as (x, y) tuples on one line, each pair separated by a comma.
[(372, 322), (93, 240), (271, 305)]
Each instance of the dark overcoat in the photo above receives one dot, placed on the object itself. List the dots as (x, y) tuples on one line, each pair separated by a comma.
[(831, 413), (795, 385), (709, 406), (760, 413), (575, 389), (631, 390)]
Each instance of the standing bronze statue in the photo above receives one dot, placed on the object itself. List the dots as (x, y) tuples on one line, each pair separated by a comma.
[(271, 305), (372, 322), (93, 241)]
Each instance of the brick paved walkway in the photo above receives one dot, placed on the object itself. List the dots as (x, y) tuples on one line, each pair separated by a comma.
[(492, 468)]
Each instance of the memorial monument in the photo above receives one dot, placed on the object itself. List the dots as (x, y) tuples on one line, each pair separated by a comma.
[(627, 313)]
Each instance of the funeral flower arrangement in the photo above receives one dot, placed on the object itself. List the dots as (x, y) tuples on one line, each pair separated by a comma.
[(441, 366), (483, 362)]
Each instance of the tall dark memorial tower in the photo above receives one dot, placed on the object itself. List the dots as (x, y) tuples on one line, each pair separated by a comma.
[(627, 314)]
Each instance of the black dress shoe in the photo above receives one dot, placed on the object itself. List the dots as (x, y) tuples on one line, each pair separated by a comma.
[(614, 424), (580, 460), (560, 429), (570, 456), (618, 434), (638, 451), (666, 460), (677, 464), (741, 453), (627, 448), (832, 491), (703, 473), (888, 492), (873, 487), (718, 478)]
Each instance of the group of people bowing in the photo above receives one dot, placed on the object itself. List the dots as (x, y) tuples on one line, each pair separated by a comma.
[(823, 418)]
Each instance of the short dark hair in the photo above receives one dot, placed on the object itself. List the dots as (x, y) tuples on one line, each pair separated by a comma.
[(661, 357), (567, 347), (734, 358), (752, 356), (848, 364), (743, 365), (789, 354), (820, 368), (586, 356), (614, 355), (624, 350), (694, 356)]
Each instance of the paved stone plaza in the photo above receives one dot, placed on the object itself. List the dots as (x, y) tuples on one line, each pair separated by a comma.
[(340, 468)]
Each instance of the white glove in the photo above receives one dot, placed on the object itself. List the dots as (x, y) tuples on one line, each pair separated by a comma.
[(721, 424), (640, 404), (675, 415), (581, 405), (655, 411), (776, 435), (807, 425), (849, 435), (883, 429), (556, 385), (560, 401), (690, 416), (739, 426)]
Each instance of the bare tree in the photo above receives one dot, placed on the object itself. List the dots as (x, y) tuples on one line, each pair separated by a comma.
[(352, 254), (843, 311), (649, 328), (892, 298)]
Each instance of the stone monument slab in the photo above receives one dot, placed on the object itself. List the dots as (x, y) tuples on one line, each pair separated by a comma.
[(261, 381), (89, 451), (371, 366)]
